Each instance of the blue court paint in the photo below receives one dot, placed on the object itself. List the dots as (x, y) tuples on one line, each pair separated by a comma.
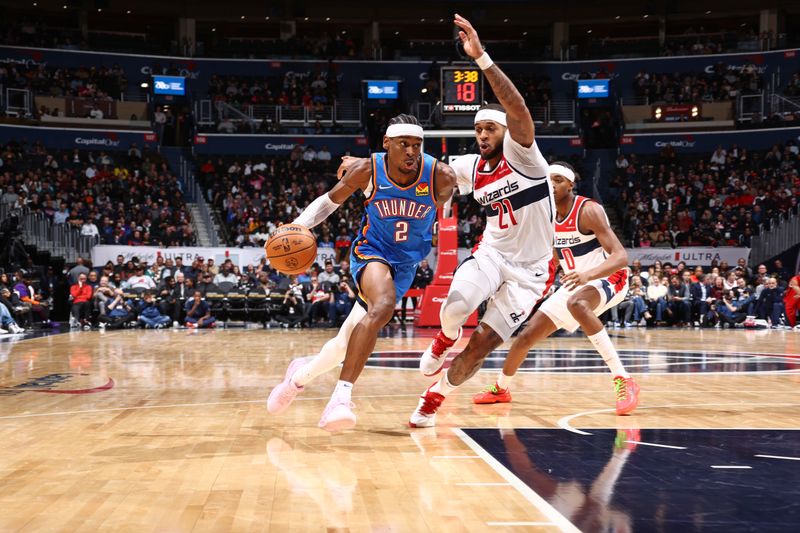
[(603, 483)]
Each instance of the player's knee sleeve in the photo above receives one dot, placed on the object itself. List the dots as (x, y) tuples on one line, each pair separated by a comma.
[(456, 309)]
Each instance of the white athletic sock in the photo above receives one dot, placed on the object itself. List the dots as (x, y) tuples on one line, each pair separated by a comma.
[(332, 353), (330, 356), (443, 386), (602, 343), (504, 381), (343, 391)]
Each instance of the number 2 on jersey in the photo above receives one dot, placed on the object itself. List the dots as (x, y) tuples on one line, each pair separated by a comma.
[(400, 231), (504, 205)]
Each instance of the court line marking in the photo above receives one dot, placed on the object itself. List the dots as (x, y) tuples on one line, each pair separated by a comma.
[(320, 398), (511, 524), (569, 372), (455, 457), (564, 422), (558, 520), (483, 484), (657, 445), (778, 457), (732, 467)]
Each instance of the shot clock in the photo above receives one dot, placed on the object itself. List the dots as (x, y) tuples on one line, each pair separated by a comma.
[(462, 90)]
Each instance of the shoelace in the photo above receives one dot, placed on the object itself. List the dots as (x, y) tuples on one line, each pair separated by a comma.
[(620, 389), (431, 403), (492, 388)]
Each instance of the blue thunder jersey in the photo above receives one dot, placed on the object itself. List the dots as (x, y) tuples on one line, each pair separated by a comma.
[(398, 221)]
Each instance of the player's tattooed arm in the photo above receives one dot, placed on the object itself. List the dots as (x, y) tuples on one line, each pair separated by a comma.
[(518, 117), (593, 220), (354, 174), (444, 183)]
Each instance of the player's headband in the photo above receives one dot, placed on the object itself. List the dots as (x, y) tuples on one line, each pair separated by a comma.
[(402, 130), (561, 170), (491, 114)]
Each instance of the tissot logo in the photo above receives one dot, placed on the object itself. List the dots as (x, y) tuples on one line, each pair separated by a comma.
[(50, 383), (488, 197)]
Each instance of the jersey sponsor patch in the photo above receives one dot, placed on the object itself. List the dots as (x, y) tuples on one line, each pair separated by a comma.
[(423, 189)]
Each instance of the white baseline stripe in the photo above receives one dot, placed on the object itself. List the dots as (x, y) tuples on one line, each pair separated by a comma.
[(779, 457), (731, 467), (520, 524), (657, 445), (558, 520), (483, 484)]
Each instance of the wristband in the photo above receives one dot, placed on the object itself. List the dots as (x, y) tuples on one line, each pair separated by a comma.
[(484, 61)]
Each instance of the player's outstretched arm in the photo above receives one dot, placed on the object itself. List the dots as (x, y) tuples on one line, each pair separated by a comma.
[(593, 220), (520, 123), (354, 174), (444, 183)]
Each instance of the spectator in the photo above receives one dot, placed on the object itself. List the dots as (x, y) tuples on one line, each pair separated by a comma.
[(119, 312), (328, 275), (81, 298), (139, 281), (226, 275), (77, 270), (679, 306), (770, 303), (198, 312), (341, 302), (657, 297), (731, 310), (103, 293), (293, 312), (149, 313), (7, 322), (702, 300)]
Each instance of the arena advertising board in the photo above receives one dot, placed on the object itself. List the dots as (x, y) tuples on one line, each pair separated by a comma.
[(233, 143), (707, 142), (414, 74), (692, 256), (81, 138), (240, 256)]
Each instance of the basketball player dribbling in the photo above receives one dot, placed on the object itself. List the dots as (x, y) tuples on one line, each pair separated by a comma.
[(512, 262), (403, 188), (595, 279)]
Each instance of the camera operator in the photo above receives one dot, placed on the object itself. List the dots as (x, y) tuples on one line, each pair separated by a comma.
[(341, 302)]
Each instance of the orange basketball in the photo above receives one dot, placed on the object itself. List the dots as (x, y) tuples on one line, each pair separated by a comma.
[(291, 249)]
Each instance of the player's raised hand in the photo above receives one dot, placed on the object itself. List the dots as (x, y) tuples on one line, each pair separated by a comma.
[(469, 37), (347, 162)]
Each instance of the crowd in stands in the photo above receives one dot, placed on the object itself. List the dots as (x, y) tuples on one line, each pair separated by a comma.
[(719, 296), (721, 200), (792, 88), (117, 198), (723, 84), (97, 82)]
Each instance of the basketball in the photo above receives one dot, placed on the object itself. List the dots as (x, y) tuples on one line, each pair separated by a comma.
[(291, 249)]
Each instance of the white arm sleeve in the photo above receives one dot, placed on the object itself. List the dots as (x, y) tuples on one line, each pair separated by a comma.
[(527, 161), (464, 167), (316, 212)]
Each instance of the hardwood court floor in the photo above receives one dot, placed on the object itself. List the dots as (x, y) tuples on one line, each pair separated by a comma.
[(182, 441)]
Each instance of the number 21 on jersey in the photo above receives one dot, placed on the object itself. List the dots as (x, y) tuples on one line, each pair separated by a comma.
[(501, 206)]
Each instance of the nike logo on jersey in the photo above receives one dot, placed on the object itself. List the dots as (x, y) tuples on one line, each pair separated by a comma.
[(539, 274), (384, 187), (489, 197)]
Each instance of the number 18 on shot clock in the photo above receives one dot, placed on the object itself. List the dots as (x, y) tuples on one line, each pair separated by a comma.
[(462, 90)]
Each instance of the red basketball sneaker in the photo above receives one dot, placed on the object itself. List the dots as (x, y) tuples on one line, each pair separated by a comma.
[(493, 394), (627, 392), (424, 416), (433, 358)]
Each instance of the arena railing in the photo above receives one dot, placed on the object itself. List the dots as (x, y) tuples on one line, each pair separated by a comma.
[(59, 239), (782, 234)]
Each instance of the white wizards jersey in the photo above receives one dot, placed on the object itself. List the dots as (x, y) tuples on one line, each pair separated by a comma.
[(576, 250), (518, 199)]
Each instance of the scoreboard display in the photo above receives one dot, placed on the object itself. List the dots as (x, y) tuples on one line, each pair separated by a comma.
[(462, 90)]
